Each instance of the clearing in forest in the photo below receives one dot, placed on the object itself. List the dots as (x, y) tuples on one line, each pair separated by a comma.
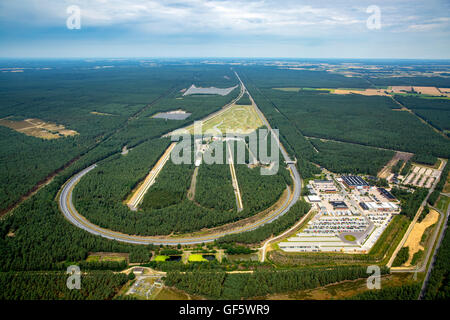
[(405, 156), (414, 238), (38, 128), (236, 119), (101, 113), (210, 90), (191, 191)]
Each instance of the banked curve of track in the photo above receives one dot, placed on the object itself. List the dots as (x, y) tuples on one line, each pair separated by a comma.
[(70, 212)]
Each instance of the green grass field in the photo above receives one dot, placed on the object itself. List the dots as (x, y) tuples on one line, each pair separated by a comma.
[(161, 258), (349, 237), (102, 258), (196, 258), (443, 203), (236, 118)]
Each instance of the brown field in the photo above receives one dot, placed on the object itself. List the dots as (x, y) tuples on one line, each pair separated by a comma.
[(445, 91), (401, 89), (38, 128), (366, 92), (101, 113), (432, 91), (413, 241)]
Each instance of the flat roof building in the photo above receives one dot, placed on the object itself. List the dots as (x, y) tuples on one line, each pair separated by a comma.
[(339, 205), (313, 198), (355, 181), (386, 194)]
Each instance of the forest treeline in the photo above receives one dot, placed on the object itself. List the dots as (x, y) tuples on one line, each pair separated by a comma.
[(434, 111), (438, 286), (298, 210), (350, 158), (439, 186), (410, 201), (403, 292), (220, 285), (45, 285)]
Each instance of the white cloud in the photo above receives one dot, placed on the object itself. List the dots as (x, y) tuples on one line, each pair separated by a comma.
[(261, 16), (241, 17)]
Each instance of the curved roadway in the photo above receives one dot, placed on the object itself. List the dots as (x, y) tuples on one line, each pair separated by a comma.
[(68, 209)]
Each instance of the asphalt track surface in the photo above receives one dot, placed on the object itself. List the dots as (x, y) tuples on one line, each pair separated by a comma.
[(69, 211)]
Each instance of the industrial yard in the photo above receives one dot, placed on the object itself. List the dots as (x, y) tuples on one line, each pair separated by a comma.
[(350, 215), (421, 176)]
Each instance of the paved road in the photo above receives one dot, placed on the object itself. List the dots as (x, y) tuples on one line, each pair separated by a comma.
[(430, 267), (71, 214), (263, 249)]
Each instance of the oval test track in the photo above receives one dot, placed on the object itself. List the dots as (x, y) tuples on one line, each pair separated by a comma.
[(68, 209)]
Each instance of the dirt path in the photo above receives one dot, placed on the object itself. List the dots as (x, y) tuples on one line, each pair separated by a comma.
[(150, 179), (234, 180), (191, 191), (405, 156)]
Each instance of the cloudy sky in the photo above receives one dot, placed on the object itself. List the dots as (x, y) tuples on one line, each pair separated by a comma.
[(226, 28)]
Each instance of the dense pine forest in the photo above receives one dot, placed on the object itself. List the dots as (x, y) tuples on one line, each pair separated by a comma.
[(350, 158), (434, 111), (130, 92), (403, 292), (438, 286), (98, 285), (410, 201), (214, 188), (219, 285)]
